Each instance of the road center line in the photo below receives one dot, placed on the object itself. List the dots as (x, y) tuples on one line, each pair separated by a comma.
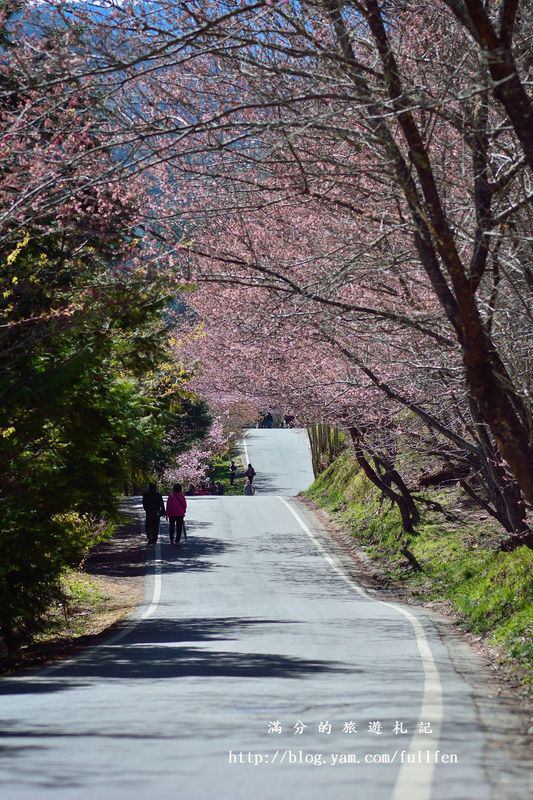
[(414, 780)]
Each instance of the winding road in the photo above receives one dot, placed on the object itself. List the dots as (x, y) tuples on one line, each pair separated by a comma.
[(256, 669)]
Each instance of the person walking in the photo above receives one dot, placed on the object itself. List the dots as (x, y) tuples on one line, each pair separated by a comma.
[(155, 509), (250, 473), (175, 513), (249, 488), (232, 472)]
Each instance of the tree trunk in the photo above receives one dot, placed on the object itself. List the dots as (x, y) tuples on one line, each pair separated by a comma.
[(503, 491), (489, 383), (372, 475), (518, 540), (394, 477), (416, 565), (496, 52)]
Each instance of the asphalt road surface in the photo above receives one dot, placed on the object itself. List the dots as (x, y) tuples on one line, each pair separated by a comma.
[(281, 458), (248, 633)]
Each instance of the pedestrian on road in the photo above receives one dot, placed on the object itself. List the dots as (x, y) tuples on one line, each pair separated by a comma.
[(176, 509), (249, 488), (155, 509), (232, 472), (250, 473), (220, 488)]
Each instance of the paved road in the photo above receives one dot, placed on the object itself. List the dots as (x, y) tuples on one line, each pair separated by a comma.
[(253, 622), (281, 458)]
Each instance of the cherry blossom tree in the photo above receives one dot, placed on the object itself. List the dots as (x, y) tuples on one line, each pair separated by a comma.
[(363, 166)]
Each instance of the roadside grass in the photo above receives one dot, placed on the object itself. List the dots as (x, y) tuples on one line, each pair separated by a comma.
[(82, 593), (90, 604), (85, 599), (221, 464), (490, 590)]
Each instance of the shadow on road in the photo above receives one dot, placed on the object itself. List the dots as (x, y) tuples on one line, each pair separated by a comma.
[(271, 485), (192, 556), (165, 648), (122, 556), (126, 554)]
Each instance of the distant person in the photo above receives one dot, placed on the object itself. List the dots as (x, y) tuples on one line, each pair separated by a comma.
[(232, 472), (220, 489), (175, 513), (212, 488), (268, 420), (155, 509), (249, 488), (250, 473), (202, 490), (289, 421), (191, 491)]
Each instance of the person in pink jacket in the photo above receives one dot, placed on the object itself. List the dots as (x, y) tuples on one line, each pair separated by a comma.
[(176, 509)]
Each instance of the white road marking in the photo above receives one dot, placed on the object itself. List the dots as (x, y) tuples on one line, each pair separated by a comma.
[(414, 780), (156, 597), (245, 450)]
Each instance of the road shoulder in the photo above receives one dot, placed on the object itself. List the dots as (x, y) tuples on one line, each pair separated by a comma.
[(503, 714), (107, 589)]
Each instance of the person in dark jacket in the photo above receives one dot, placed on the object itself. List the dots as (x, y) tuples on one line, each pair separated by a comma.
[(232, 473), (155, 509), (250, 473)]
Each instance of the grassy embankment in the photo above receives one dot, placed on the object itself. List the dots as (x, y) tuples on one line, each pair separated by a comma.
[(490, 590), (91, 603), (221, 466)]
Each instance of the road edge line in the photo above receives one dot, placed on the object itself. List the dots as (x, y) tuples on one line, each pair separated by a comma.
[(414, 780), (156, 597), (130, 626)]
